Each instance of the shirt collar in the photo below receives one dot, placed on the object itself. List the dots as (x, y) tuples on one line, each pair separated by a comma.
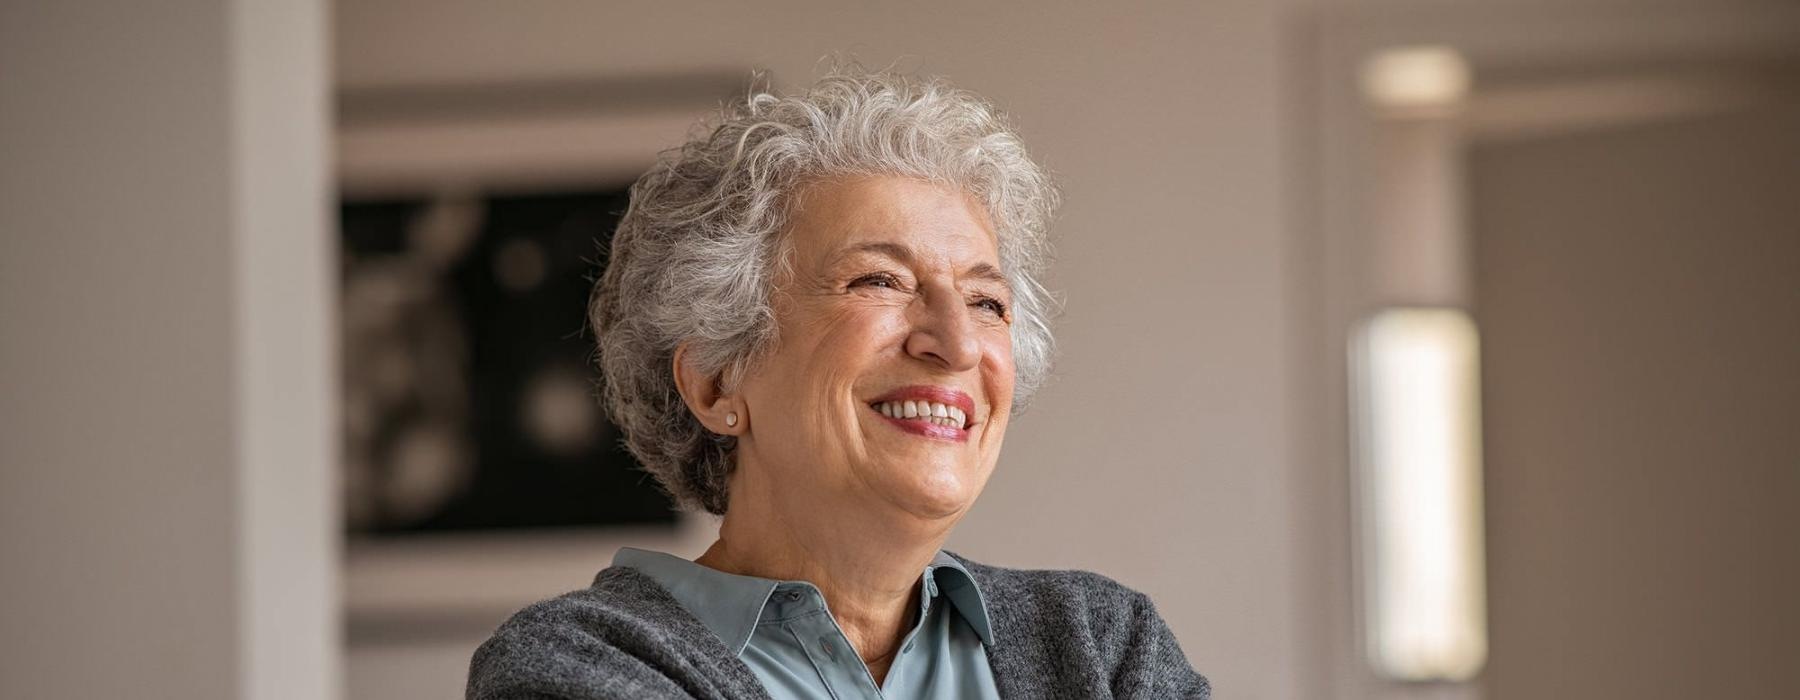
[(957, 584), (730, 605)]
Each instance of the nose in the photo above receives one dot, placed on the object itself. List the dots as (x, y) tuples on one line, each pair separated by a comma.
[(942, 331)]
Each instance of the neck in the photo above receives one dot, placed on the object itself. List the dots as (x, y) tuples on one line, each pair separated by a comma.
[(866, 565)]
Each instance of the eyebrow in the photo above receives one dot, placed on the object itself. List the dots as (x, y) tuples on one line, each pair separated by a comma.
[(901, 253)]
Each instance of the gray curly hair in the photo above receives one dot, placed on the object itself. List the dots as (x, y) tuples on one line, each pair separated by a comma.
[(696, 254)]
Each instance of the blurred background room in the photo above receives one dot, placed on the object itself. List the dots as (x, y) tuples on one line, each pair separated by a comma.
[(1411, 350)]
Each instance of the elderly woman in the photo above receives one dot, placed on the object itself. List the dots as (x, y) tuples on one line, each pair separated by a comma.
[(817, 321)]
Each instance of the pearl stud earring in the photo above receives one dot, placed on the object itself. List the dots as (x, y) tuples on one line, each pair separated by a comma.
[(731, 420)]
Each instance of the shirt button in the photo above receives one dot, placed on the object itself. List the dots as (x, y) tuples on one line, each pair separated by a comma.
[(793, 596), (830, 651), (907, 648)]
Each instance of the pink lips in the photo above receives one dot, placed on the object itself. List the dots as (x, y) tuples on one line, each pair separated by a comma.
[(934, 394)]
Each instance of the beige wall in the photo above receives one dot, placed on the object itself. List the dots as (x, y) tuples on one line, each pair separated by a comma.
[(167, 447), (1639, 287), (1161, 455)]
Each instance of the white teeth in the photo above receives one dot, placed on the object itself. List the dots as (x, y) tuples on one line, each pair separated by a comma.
[(934, 413)]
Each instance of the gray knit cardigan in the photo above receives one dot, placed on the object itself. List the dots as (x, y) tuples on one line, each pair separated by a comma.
[(1057, 634)]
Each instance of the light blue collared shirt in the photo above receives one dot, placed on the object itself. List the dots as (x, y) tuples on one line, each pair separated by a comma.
[(783, 632)]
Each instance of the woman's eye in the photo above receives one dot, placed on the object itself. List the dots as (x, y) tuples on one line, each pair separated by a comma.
[(882, 280), (994, 305)]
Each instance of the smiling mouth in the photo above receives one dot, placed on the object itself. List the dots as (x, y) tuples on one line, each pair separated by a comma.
[(924, 413)]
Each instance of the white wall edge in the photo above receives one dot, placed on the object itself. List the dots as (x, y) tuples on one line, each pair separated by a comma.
[(284, 269)]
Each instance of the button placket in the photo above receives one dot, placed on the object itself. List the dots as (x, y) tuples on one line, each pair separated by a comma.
[(840, 669)]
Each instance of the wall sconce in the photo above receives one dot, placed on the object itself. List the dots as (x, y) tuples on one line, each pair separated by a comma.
[(1416, 417), (1422, 80)]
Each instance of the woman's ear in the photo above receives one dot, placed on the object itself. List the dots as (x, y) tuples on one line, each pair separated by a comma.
[(717, 411)]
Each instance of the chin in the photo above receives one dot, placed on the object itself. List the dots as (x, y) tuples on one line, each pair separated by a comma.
[(934, 499)]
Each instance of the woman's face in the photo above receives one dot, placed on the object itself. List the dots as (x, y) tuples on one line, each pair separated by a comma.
[(894, 295)]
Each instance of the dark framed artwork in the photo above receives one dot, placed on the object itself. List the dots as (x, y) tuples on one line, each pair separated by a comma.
[(469, 387)]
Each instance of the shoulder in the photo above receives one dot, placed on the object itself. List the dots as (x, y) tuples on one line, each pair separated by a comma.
[(622, 607), (1047, 590), (1069, 632), (622, 637)]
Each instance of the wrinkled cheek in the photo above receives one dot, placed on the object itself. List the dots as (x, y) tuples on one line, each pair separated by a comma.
[(1001, 376), (991, 441)]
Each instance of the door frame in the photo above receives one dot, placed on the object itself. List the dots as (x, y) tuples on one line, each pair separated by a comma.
[(1337, 161)]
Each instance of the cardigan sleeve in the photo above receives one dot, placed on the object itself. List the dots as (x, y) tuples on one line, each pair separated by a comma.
[(527, 661), (1155, 666)]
